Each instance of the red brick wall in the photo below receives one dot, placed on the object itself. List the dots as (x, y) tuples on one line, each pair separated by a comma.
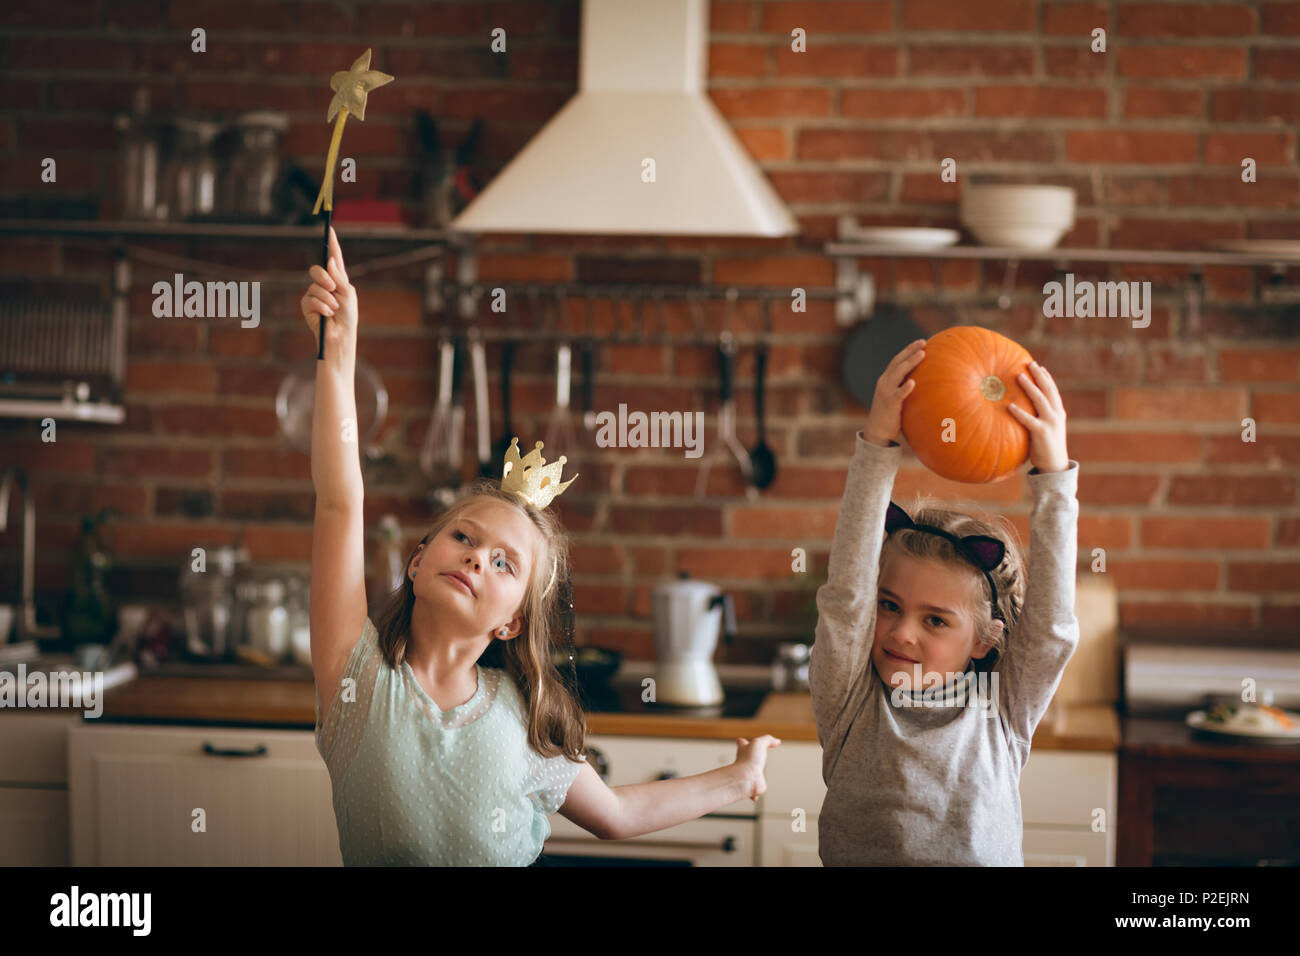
[(1198, 526)]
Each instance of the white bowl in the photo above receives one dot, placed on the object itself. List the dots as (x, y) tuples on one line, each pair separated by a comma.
[(1012, 203), (1017, 235)]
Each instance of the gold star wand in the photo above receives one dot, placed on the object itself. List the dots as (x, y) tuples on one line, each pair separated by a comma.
[(350, 88)]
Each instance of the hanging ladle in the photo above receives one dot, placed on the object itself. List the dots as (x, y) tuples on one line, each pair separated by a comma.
[(727, 441), (762, 459)]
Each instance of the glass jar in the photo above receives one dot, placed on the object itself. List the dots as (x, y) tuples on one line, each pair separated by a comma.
[(300, 621), (208, 603), (265, 620), (248, 189), (192, 171), (790, 670), (140, 162)]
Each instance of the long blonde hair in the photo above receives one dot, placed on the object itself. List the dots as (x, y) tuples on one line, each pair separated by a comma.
[(556, 724), (1009, 576)]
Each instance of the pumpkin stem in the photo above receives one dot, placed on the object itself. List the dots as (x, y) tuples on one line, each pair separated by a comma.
[(993, 388)]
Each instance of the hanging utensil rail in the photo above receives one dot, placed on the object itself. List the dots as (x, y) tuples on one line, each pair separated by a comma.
[(628, 303)]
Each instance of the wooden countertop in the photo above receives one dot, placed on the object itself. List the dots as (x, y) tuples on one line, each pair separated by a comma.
[(1169, 737), (292, 703)]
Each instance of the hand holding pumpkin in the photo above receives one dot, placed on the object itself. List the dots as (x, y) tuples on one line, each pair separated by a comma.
[(885, 421), (1046, 432)]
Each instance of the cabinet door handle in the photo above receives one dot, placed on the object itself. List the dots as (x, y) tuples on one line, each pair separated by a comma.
[(211, 751), (727, 844)]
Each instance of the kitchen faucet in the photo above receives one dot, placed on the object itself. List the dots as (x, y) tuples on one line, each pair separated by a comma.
[(26, 626)]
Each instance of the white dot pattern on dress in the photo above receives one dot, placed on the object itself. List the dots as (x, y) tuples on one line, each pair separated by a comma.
[(417, 786)]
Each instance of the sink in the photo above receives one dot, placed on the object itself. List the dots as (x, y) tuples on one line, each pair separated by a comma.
[(64, 669)]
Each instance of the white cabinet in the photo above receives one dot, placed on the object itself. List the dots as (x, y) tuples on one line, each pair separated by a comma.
[(727, 837), (125, 795), (1057, 846), (264, 797), (642, 759), (785, 845), (791, 805), (34, 787), (1067, 802)]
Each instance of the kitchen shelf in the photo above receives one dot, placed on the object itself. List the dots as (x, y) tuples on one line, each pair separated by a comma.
[(1148, 256), (856, 291), (216, 230), (106, 413)]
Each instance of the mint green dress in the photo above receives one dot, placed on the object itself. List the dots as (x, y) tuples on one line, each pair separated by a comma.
[(416, 786)]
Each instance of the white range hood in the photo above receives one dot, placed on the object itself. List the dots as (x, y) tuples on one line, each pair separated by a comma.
[(641, 96)]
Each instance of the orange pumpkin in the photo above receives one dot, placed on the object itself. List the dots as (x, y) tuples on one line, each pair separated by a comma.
[(963, 387)]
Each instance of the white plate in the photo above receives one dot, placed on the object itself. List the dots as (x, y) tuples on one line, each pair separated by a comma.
[(1196, 720), (1282, 248), (907, 237)]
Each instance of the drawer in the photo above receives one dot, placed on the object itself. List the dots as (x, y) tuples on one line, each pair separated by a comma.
[(33, 826), (159, 740), (1065, 788), (1048, 846), (34, 746), (794, 779), (643, 759), (782, 845), (708, 841), (133, 792)]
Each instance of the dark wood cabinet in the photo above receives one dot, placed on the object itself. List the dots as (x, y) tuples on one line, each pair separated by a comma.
[(1189, 799)]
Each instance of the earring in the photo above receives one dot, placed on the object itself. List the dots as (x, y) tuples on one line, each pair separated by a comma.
[(504, 631)]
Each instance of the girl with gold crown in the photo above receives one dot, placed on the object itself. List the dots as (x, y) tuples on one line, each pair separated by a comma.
[(448, 733)]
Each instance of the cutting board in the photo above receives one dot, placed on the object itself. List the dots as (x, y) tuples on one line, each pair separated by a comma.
[(1092, 675)]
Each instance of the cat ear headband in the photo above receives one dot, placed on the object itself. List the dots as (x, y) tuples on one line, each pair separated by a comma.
[(981, 550)]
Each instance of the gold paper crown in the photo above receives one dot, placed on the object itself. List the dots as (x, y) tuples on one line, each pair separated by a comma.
[(530, 476)]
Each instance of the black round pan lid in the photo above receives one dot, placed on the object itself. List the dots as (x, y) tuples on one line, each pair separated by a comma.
[(872, 345)]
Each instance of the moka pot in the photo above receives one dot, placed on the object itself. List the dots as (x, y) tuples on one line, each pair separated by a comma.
[(687, 617)]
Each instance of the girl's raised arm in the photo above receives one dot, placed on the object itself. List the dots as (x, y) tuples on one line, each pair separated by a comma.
[(846, 604), (1047, 632), (338, 588)]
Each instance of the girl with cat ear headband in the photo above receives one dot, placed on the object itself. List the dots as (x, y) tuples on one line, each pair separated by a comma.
[(981, 550)]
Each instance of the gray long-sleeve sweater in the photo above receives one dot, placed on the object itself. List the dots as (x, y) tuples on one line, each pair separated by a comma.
[(932, 785)]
